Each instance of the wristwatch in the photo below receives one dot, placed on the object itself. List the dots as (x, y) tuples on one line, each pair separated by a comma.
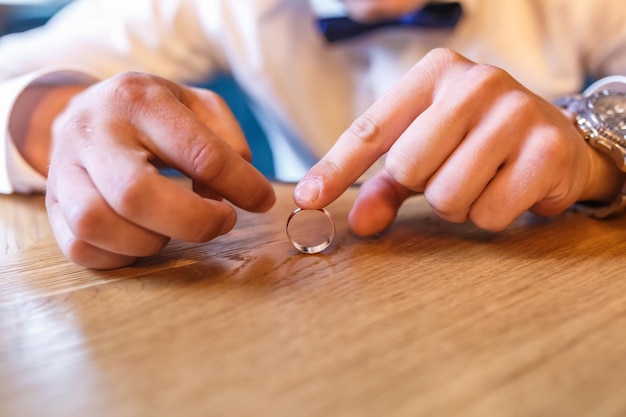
[(601, 118)]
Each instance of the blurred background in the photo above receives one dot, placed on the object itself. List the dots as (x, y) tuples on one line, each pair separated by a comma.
[(20, 15)]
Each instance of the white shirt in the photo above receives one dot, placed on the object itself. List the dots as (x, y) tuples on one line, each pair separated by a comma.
[(304, 91)]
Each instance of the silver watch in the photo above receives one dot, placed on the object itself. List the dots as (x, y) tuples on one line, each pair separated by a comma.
[(601, 118)]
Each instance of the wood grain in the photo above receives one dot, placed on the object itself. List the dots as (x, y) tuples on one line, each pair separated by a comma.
[(427, 319)]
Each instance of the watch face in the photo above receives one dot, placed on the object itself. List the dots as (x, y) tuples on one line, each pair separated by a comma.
[(610, 109)]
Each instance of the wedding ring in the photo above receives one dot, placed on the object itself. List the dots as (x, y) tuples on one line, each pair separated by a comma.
[(310, 231)]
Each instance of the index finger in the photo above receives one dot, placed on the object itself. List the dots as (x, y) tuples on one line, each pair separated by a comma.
[(181, 139), (374, 132)]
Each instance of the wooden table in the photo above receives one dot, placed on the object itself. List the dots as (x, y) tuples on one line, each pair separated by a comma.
[(429, 319)]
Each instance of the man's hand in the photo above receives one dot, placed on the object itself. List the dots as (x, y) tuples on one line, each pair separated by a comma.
[(479, 145), (106, 200)]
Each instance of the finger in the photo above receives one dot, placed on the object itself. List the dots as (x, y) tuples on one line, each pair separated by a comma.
[(506, 197), (213, 111), (76, 250), (180, 139), (373, 133), (428, 142), (513, 157), (137, 192), (539, 173), (205, 191), (377, 204), (154, 109), (459, 180), (91, 220)]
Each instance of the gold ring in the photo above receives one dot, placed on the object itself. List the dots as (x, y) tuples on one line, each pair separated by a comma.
[(310, 231)]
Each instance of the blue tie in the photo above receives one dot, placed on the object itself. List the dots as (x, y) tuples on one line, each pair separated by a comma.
[(433, 15)]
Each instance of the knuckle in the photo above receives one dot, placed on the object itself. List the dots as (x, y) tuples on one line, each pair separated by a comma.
[(562, 200), (85, 220), (77, 251), (487, 220), (129, 91), (553, 150), (520, 105), (213, 100), (221, 217), (442, 55), (331, 170), (68, 126), (366, 130), (122, 96), (479, 78), (127, 194), (405, 170), (223, 123), (207, 160), (82, 253), (486, 74), (130, 84), (243, 150), (75, 121), (445, 205), (439, 61)]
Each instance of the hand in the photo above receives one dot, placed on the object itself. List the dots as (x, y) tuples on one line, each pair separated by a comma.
[(478, 144), (106, 200)]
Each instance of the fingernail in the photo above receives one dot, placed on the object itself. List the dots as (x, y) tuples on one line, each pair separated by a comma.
[(229, 223), (308, 191)]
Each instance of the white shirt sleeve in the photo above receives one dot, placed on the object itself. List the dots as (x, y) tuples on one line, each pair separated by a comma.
[(16, 175), (172, 39), (163, 37)]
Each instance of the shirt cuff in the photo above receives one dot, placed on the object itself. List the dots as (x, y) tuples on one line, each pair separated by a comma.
[(16, 175)]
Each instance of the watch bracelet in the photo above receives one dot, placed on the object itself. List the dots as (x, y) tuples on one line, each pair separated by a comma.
[(601, 211), (594, 209)]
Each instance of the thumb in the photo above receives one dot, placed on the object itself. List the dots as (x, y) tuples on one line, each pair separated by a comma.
[(377, 204)]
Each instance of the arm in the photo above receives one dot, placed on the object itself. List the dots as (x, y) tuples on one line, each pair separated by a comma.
[(477, 144), (32, 118)]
